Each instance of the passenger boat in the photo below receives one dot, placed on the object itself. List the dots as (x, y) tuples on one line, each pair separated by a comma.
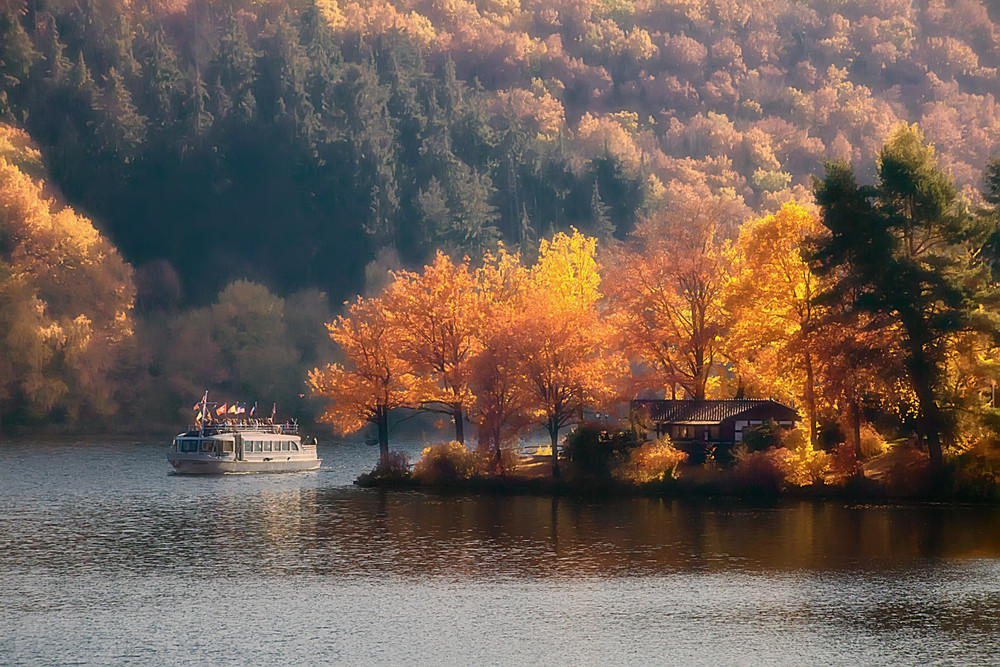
[(242, 447)]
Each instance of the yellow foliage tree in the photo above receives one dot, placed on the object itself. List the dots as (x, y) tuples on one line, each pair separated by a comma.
[(770, 300), (563, 342), (66, 298), (500, 408)]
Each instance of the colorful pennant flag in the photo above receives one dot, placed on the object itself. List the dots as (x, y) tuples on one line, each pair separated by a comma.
[(232, 409), (253, 410), (221, 410), (197, 406)]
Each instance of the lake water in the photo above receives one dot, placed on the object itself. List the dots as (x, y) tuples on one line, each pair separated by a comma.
[(105, 557)]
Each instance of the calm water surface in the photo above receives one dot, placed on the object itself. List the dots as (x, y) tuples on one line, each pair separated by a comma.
[(105, 557)]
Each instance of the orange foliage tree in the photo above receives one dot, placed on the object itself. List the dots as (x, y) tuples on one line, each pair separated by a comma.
[(665, 290), (437, 315), (373, 380)]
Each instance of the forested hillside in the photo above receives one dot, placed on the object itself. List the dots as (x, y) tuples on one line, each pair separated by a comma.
[(247, 163), (295, 143)]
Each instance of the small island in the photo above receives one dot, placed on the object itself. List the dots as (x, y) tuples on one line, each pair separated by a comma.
[(846, 348)]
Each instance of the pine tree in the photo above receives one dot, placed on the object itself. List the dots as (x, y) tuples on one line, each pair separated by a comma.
[(235, 65), (163, 80), (600, 224), (908, 248), (121, 129), (196, 114)]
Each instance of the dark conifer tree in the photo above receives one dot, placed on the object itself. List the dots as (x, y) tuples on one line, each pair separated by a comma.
[(908, 248)]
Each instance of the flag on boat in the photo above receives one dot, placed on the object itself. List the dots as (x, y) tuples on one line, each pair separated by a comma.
[(198, 416), (197, 406), (241, 410), (221, 410), (253, 410), (233, 409)]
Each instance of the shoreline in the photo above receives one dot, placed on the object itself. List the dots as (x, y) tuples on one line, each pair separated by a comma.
[(865, 491)]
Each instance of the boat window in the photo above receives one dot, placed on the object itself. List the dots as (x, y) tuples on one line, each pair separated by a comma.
[(227, 446), (251, 445), (295, 447), (205, 445), (267, 446), (284, 446), (189, 445)]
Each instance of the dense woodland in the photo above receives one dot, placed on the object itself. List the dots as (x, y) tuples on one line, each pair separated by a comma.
[(246, 164)]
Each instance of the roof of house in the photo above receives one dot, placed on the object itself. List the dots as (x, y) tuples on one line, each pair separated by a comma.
[(703, 412)]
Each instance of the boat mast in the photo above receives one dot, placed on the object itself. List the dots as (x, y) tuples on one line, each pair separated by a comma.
[(204, 414)]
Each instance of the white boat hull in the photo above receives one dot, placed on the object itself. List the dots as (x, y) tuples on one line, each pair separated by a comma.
[(204, 466)]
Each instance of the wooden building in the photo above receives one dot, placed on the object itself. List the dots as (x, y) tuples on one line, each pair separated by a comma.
[(699, 426)]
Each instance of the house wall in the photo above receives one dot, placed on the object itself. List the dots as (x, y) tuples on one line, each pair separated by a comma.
[(783, 416)]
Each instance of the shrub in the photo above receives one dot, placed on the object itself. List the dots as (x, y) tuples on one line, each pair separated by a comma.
[(872, 444), (444, 462), (594, 450), (484, 460), (649, 462), (845, 460), (394, 465), (763, 472), (763, 436), (975, 473), (806, 466)]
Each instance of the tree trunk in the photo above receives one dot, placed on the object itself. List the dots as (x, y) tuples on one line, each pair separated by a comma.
[(383, 433), (811, 399), (922, 377), (930, 418), (459, 424), (554, 434), (856, 430)]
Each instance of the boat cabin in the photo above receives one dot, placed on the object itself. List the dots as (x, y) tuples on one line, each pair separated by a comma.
[(243, 446)]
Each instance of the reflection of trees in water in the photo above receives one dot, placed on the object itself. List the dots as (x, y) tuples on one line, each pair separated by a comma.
[(351, 532), (426, 534)]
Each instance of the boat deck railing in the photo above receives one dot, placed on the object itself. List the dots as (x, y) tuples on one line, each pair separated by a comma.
[(288, 428)]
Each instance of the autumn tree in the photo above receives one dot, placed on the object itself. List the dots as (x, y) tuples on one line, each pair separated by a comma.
[(437, 316), (772, 309), (666, 290), (501, 405), (562, 340), (860, 360), (66, 297), (908, 248), (373, 379)]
